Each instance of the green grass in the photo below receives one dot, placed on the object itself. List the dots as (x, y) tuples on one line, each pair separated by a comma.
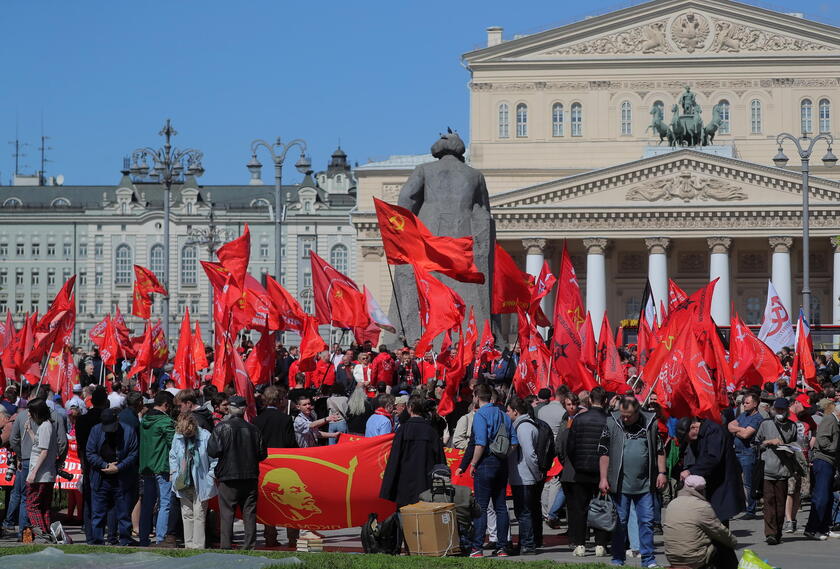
[(325, 560)]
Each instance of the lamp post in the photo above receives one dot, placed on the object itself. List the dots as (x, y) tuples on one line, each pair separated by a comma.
[(211, 237), (168, 165), (805, 145), (278, 152)]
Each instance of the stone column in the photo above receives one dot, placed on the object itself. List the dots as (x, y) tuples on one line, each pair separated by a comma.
[(534, 258), (658, 270), (835, 287), (596, 280), (719, 268), (781, 270)]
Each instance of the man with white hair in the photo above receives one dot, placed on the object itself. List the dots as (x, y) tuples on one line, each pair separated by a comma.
[(76, 400), (694, 536)]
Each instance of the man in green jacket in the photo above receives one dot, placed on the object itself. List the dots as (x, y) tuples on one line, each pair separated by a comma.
[(156, 431), (822, 469)]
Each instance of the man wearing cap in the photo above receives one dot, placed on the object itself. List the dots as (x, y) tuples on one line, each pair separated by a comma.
[(694, 536), (779, 467), (239, 447), (76, 399), (112, 454)]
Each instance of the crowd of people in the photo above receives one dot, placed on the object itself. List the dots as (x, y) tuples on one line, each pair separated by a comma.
[(153, 461)]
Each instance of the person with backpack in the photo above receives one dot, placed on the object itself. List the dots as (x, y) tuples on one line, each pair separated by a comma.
[(493, 437), (523, 474)]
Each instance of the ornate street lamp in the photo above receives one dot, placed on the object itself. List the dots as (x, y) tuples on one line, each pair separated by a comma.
[(168, 165), (211, 237), (278, 152), (805, 145)]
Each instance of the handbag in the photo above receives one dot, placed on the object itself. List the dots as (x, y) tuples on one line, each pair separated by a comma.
[(184, 478), (602, 514)]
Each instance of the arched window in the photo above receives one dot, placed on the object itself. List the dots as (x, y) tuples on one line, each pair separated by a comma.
[(60, 202), (504, 121), (156, 260), (626, 119), (188, 265), (521, 120), (755, 116), (577, 120), (13, 202), (260, 202), (805, 116), (122, 265), (306, 300), (725, 127), (825, 115), (557, 120), (339, 257)]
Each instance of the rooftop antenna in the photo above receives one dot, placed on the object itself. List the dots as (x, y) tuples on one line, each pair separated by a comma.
[(43, 149), (18, 154)]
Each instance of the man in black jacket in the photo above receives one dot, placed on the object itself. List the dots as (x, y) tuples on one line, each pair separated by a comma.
[(84, 425), (277, 431), (239, 447), (577, 450)]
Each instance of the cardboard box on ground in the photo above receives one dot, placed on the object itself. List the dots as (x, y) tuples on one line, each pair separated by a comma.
[(430, 529)]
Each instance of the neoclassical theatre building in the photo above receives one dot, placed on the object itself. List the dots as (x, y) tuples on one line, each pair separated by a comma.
[(560, 127)]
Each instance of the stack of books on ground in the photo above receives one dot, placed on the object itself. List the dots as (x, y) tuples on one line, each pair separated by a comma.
[(310, 542)]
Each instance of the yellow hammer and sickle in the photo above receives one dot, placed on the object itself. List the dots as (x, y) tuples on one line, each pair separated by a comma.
[(338, 294), (397, 222), (669, 343)]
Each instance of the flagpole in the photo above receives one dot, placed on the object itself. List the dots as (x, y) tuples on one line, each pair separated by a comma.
[(326, 371), (507, 369), (397, 303), (44, 368)]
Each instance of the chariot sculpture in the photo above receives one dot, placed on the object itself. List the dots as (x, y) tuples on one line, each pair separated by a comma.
[(686, 127)]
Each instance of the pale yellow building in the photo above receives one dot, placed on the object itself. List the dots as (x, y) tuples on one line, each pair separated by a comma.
[(559, 127)]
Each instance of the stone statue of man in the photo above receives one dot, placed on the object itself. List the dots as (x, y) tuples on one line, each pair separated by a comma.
[(451, 199), (688, 102)]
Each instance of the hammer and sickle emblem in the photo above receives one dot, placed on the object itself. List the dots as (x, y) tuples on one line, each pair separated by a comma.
[(397, 221), (339, 294)]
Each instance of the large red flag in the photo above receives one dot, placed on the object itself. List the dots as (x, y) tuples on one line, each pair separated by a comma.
[(198, 350), (487, 351), (542, 287), (325, 279), (160, 349), (142, 363), (260, 362), (109, 351), (290, 315), (311, 342), (568, 303), (183, 370), (408, 240), (349, 309), (8, 344), (56, 326), (702, 382), (123, 334), (610, 370), (589, 347), (454, 366), (441, 308), (467, 347), (753, 362), (532, 373), (61, 371), (676, 296), (803, 359), (145, 283), (566, 349), (511, 286), (235, 255)]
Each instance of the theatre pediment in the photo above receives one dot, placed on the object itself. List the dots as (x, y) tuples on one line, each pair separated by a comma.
[(679, 28), (681, 179)]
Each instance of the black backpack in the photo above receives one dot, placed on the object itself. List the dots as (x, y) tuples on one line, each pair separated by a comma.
[(385, 537), (546, 452)]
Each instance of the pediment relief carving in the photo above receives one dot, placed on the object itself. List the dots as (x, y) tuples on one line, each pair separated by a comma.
[(686, 187), (687, 33)]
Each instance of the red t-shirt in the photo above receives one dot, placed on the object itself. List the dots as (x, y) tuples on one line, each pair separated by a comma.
[(382, 369), (324, 374), (428, 370)]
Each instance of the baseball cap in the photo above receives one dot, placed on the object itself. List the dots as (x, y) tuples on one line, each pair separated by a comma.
[(804, 399), (781, 403), (237, 401), (109, 420)]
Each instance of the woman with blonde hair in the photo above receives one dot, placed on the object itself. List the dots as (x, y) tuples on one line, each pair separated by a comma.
[(192, 475)]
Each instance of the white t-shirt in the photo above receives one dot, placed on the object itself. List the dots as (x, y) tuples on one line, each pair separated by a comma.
[(117, 400), (44, 440)]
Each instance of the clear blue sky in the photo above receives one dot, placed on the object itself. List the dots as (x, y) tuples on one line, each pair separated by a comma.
[(383, 77)]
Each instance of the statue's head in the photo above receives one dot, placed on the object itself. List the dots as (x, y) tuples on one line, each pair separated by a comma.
[(688, 88), (449, 143)]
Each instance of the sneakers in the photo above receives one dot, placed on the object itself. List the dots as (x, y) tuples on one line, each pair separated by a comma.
[(600, 551), (789, 527), (528, 551), (652, 564), (834, 533), (476, 553), (631, 553), (815, 536), (501, 553), (580, 551)]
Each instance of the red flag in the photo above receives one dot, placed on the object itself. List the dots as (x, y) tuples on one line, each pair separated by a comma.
[(348, 305), (369, 333), (511, 286), (290, 315), (160, 349), (676, 296), (441, 308), (566, 349), (752, 361), (532, 373), (123, 335), (260, 362), (243, 385), (56, 326), (234, 256), (702, 381), (619, 336), (545, 282), (568, 303), (109, 350), (198, 351), (454, 365), (183, 370), (311, 342), (487, 351), (610, 370), (7, 349), (467, 347), (61, 372), (589, 347), (377, 316), (407, 240), (646, 340), (145, 283), (324, 280), (803, 359), (142, 363)]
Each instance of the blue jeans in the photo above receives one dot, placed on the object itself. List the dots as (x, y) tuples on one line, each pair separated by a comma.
[(644, 512), (819, 520), (633, 528), (337, 427), (523, 502), (747, 460), (111, 502), (835, 516), (156, 487), (559, 502), (490, 482), (16, 514)]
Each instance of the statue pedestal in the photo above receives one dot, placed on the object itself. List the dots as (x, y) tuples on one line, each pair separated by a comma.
[(727, 151)]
